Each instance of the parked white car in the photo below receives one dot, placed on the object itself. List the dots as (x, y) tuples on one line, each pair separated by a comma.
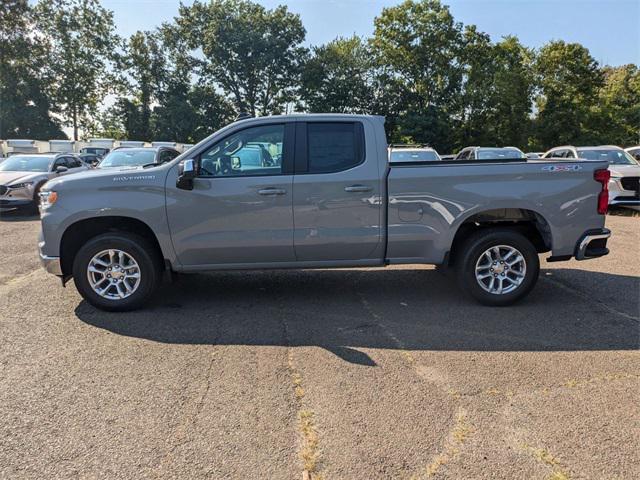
[(634, 152), (401, 153), (624, 186)]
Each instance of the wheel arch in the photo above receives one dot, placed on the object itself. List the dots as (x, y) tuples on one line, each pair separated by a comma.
[(81, 231), (524, 220)]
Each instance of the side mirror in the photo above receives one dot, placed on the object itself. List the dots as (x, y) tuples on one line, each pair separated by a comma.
[(186, 174), (60, 169)]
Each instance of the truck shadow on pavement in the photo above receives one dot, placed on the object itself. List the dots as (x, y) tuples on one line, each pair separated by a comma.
[(350, 311)]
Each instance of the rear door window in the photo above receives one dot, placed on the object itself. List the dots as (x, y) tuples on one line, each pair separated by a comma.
[(334, 146)]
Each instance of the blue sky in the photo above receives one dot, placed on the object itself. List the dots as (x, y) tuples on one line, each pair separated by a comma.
[(610, 29)]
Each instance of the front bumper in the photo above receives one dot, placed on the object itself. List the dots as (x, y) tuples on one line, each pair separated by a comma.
[(593, 244), (50, 264), (11, 203), (621, 196), (623, 201)]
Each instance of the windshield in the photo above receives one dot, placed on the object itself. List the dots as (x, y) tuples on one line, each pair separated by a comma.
[(413, 156), (24, 163), (499, 153), (128, 158), (613, 156)]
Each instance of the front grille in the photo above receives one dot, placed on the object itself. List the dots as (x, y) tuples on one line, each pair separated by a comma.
[(630, 183), (3, 189)]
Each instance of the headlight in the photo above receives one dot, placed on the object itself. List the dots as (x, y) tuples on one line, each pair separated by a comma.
[(47, 199), (20, 185)]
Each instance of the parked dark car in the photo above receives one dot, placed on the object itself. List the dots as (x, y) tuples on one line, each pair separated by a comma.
[(99, 151), (89, 159)]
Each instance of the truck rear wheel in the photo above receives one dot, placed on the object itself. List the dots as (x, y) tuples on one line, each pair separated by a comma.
[(116, 271), (497, 266)]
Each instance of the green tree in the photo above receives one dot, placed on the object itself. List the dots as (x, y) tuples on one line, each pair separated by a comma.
[(338, 77), (417, 45), (617, 115), (80, 43), (212, 111), (253, 54), (513, 87), (108, 123), (144, 64), (477, 100), (24, 102), (568, 79)]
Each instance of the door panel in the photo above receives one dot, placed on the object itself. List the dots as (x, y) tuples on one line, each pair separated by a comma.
[(337, 215), (240, 209), (227, 220)]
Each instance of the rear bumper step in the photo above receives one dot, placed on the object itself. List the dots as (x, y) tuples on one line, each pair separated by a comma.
[(593, 244)]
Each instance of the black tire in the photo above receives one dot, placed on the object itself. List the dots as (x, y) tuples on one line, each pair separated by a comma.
[(475, 246), (137, 247)]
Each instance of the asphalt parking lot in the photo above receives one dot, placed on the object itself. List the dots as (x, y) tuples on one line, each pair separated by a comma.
[(362, 373)]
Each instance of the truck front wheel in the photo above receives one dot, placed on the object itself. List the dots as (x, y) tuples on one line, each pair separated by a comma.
[(497, 266), (116, 271)]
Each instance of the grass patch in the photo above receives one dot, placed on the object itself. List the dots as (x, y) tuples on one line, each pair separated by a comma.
[(544, 456), (309, 451), (459, 434)]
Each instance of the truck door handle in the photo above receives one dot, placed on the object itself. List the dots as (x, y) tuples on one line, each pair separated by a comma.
[(271, 191), (357, 188)]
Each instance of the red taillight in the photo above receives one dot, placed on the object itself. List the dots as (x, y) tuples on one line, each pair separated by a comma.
[(602, 177)]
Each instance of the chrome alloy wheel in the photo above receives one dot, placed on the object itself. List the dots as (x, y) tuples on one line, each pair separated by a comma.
[(501, 269), (113, 274)]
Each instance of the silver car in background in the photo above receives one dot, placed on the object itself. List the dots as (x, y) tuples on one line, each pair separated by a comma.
[(400, 153), (490, 153), (624, 185), (134, 157), (22, 176)]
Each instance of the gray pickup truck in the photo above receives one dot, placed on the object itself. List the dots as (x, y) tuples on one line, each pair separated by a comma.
[(318, 191)]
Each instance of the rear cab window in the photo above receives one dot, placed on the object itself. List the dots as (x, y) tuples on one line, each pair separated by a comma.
[(334, 146)]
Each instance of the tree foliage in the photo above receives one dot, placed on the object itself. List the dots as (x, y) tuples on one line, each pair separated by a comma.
[(568, 79), (418, 45), (435, 80), (25, 105), (337, 77), (80, 42), (254, 54)]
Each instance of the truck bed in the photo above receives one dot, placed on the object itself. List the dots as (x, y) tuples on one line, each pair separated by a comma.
[(428, 201)]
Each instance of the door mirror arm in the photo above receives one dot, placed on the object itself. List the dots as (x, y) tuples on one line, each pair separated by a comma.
[(186, 174)]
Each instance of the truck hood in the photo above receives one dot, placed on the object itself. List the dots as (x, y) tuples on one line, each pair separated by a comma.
[(9, 178), (102, 176), (624, 170)]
